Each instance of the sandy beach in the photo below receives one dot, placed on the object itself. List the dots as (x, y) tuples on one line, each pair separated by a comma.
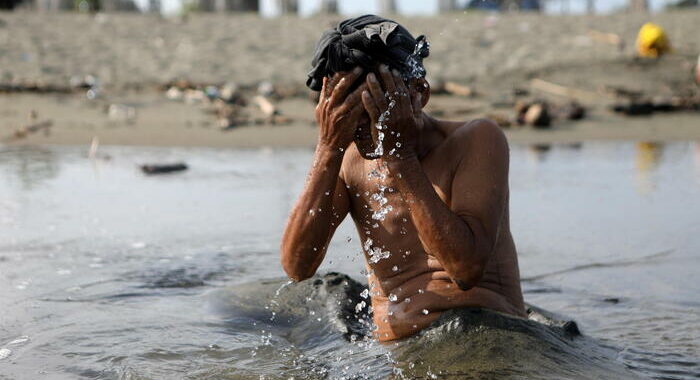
[(494, 56)]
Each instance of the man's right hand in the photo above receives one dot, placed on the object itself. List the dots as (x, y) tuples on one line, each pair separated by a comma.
[(337, 113)]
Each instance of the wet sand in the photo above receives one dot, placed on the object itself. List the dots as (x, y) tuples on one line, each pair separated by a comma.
[(132, 56)]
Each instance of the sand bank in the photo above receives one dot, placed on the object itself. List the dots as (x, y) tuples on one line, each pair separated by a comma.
[(132, 55)]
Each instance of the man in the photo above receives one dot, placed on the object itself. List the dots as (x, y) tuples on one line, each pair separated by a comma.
[(429, 197)]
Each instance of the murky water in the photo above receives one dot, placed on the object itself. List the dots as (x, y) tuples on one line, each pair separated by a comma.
[(107, 273)]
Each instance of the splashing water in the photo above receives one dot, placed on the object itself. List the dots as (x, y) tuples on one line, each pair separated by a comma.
[(375, 253), (414, 61), (273, 301), (381, 127)]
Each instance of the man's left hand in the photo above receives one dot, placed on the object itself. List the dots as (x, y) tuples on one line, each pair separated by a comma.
[(396, 110)]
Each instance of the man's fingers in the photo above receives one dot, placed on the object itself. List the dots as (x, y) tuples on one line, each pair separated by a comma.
[(322, 96), (341, 89), (355, 98), (417, 105), (357, 110), (332, 82), (353, 101), (376, 91), (373, 111), (370, 106), (387, 78), (401, 94)]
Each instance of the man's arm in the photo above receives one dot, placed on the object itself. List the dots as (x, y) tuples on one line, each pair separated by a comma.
[(324, 202), (322, 206), (462, 236)]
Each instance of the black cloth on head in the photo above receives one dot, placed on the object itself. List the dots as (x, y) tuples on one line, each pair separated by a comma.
[(365, 41)]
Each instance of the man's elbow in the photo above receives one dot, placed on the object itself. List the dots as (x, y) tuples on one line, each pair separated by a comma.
[(294, 268), (469, 278), (296, 273)]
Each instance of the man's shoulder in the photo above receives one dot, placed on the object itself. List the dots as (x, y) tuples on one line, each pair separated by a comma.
[(477, 136)]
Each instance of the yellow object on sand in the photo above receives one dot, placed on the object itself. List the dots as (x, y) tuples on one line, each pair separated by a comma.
[(652, 41)]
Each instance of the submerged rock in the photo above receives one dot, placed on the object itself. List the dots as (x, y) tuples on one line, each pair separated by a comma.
[(478, 343), (320, 319)]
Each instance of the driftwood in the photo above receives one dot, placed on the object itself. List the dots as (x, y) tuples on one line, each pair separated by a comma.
[(458, 89), (163, 168), (36, 88), (265, 106), (556, 89), (27, 130)]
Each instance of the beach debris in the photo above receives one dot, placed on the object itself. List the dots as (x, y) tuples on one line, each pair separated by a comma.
[(652, 41), (272, 114), (121, 112), (211, 92), (228, 101), (621, 92), (458, 89), (573, 111), (231, 93), (537, 115), (34, 87), (229, 115), (163, 168), (34, 126), (265, 105), (646, 106), (557, 89), (192, 96), (518, 92), (634, 108), (174, 93), (266, 88)]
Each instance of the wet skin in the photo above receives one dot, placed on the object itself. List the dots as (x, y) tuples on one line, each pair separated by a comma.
[(448, 232)]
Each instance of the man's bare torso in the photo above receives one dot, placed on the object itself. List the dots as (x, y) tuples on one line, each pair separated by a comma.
[(409, 287)]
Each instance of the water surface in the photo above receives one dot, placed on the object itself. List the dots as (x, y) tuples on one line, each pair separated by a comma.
[(107, 273)]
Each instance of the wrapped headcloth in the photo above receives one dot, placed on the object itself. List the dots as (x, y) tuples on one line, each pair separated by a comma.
[(365, 41)]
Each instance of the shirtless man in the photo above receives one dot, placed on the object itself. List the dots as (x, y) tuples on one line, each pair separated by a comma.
[(431, 207)]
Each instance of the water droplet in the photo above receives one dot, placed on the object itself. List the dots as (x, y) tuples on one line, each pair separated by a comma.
[(365, 293), (407, 300), (425, 311), (395, 268), (393, 297), (421, 291)]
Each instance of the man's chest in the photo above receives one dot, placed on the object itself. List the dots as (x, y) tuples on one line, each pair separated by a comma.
[(373, 189)]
